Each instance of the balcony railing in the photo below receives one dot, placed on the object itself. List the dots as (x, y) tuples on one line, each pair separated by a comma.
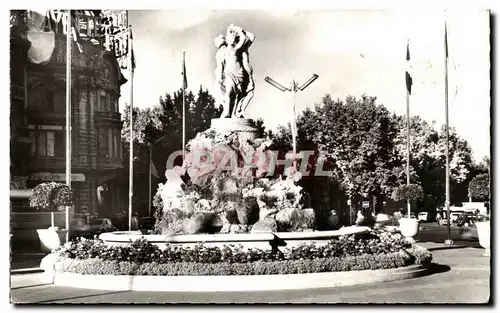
[(105, 119), (41, 114), (108, 115)]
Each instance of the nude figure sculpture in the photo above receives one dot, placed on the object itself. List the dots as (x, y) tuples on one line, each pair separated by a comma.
[(234, 73)]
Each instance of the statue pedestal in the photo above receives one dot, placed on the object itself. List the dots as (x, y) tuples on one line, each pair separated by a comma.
[(244, 127)]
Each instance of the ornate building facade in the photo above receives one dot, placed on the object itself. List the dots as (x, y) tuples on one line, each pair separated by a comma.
[(38, 120)]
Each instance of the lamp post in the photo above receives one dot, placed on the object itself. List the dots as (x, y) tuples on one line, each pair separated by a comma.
[(294, 88), (448, 241)]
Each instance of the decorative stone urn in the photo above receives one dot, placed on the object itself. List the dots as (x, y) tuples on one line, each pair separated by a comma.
[(244, 127), (483, 232), (408, 228), (51, 238)]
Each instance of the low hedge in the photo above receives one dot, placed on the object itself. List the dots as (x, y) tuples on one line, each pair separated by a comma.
[(96, 266), (142, 251), (372, 251), (420, 254)]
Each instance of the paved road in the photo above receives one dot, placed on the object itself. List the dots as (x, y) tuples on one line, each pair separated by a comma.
[(463, 277), (432, 232)]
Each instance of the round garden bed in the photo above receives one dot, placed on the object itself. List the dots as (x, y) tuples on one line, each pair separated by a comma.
[(141, 265)]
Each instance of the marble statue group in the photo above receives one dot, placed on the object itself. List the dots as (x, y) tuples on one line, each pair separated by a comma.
[(234, 82)]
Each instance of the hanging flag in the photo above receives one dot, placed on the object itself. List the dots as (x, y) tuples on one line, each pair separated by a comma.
[(42, 41), (124, 50), (132, 56), (445, 40), (184, 76), (409, 79), (62, 16), (154, 172)]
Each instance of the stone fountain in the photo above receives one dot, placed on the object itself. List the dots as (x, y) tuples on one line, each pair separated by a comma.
[(227, 185)]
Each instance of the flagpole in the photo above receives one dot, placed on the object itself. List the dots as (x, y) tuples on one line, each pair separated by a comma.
[(131, 124), (408, 129), (294, 123), (149, 180), (447, 203), (183, 105), (68, 114)]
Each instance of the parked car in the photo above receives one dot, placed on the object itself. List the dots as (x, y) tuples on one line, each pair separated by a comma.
[(424, 216), (443, 222), (465, 220), (120, 222), (411, 216), (80, 228), (453, 218), (454, 215), (102, 225), (146, 223)]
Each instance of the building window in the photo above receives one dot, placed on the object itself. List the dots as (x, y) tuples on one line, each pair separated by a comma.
[(103, 100), (103, 143), (109, 143), (107, 101), (114, 103), (33, 142), (47, 143), (47, 99), (116, 152)]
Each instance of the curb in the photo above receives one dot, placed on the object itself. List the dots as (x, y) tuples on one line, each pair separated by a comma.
[(237, 282), (31, 270)]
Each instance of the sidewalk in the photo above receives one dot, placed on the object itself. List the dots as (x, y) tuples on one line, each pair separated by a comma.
[(23, 263)]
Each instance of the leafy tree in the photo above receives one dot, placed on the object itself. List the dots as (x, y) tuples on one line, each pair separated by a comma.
[(201, 112), (428, 161), (357, 136), (479, 187), (481, 167), (161, 127), (408, 192), (147, 125)]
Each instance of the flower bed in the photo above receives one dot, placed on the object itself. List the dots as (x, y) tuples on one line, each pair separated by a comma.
[(377, 250)]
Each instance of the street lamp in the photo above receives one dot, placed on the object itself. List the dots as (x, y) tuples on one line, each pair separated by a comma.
[(294, 88)]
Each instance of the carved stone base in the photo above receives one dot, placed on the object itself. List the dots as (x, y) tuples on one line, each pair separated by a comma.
[(243, 126)]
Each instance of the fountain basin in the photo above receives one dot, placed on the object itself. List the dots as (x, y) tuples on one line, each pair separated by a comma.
[(256, 240)]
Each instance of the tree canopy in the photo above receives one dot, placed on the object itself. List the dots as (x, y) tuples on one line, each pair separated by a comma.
[(479, 187)]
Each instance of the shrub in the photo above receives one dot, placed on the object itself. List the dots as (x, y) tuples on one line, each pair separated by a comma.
[(98, 266), (479, 187), (421, 255), (51, 196), (142, 251), (408, 192)]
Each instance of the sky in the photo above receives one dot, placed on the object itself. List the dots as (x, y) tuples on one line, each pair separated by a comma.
[(354, 52)]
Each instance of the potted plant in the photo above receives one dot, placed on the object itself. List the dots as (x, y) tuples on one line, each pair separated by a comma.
[(51, 197), (479, 188), (408, 226)]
